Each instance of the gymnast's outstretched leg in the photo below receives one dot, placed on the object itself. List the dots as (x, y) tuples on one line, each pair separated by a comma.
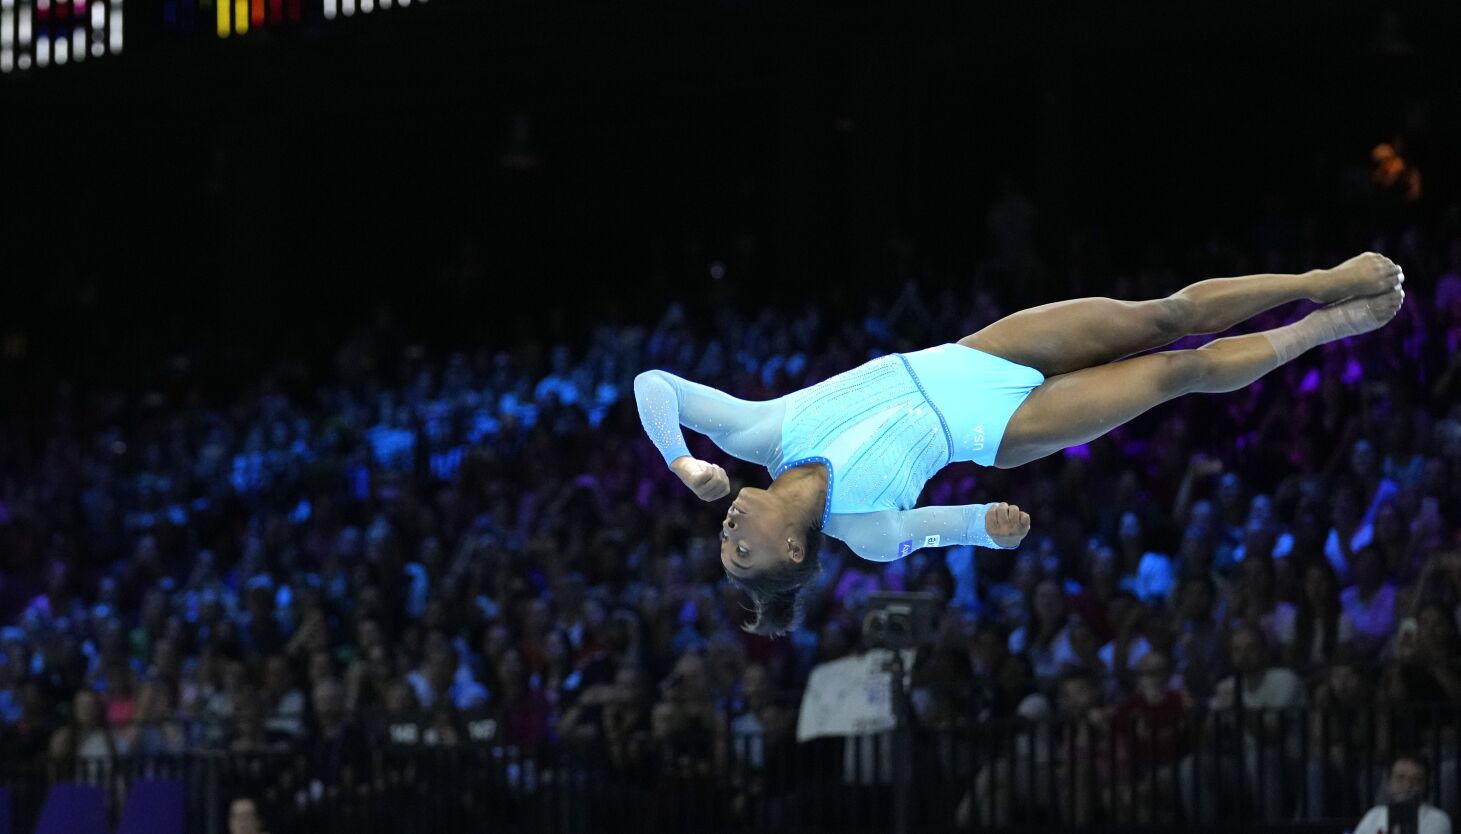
[(1074, 408), (1070, 335)]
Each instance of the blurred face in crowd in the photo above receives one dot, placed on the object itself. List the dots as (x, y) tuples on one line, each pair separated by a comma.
[(689, 681), (760, 532), (1195, 553), (87, 709), (400, 698), (1407, 781), (1130, 530), (441, 667), (1105, 574), (629, 685), (369, 634), (1153, 672), (154, 701), (1078, 696), (497, 641), (329, 701), (1027, 571), (321, 666), (1258, 538), (1049, 603), (1083, 641), (243, 817), (235, 676), (556, 650), (1260, 508), (1247, 651), (1345, 684), (511, 671), (1230, 492), (1319, 587), (1202, 515), (539, 617), (1363, 460), (987, 649)]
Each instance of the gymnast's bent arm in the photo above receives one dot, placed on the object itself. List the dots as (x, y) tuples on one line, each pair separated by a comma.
[(748, 430), (892, 534)]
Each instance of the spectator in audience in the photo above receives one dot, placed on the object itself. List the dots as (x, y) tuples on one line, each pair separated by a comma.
[(1152, 573), (687, 723), (1427, 660), (339, 752), (1198, 648), (155, 730), (442, 677), (1131, 621), (1256, 603), (244, 817), (1369, 604), (119, 699), (27, 738), (1256, 684), (1152, 725), (1015, 695), (1080, 774), (1260, 695), (86, 737), (1406, 811), (282, 701), (1321, 626), (249, 733), (1346, 721), (525, 712), (1046, 638)]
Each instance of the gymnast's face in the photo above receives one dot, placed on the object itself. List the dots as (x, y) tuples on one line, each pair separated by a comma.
[(754, 536)]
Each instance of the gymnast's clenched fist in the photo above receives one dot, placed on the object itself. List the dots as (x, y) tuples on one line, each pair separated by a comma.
[(1006, 524), (707, 480)]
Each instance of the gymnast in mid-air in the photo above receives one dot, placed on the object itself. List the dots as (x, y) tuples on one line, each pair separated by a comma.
[(849, 455)]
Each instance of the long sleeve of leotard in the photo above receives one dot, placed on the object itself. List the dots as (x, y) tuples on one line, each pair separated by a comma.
[(748, 430), (889, 535)]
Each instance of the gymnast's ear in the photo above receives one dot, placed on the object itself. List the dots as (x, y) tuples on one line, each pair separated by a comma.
[(795, 550), (811, 541)]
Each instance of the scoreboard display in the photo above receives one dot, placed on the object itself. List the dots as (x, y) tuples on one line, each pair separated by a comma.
[(41, 33), (38, 33)]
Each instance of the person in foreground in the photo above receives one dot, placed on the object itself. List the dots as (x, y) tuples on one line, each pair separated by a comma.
[(849, 455), (1406, 813)]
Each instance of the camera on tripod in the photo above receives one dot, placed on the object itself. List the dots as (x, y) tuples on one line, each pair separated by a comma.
[(898, 620)]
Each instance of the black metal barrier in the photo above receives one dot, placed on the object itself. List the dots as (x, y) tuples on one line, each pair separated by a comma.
[(1228, 771)]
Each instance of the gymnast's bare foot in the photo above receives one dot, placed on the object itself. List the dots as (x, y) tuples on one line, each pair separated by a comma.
[(1362, 275), (1361, 315)]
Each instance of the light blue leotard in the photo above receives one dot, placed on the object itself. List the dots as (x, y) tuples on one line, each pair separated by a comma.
[(881, 429)]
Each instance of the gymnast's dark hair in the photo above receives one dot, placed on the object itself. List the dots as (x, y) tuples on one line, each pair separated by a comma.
[(776, 594)]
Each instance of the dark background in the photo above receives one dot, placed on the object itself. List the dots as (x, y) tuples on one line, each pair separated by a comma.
[(281, 187)]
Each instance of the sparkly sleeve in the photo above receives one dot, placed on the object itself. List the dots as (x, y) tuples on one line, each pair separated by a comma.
[(890, 535), (748, 430)]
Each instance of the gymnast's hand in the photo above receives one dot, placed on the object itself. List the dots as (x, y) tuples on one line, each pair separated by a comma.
[(1006, 525), (706, 480)]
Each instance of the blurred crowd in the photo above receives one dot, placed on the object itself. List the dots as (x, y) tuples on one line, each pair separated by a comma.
[(419, 549)]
